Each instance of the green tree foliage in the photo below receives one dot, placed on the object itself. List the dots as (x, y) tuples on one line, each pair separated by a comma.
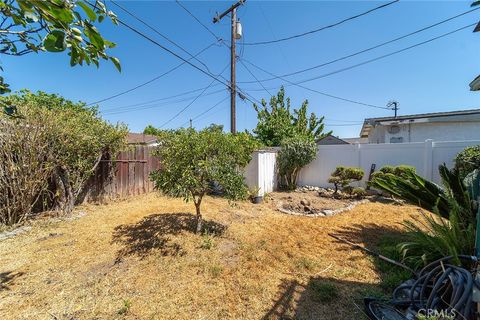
[(467, 160), (77, 140), (295, 153), (343, 176), (277, 122), (192, 159), (451, 230), (28, 26)]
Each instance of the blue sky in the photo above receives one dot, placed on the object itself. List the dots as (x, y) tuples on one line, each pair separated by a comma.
[(429, 78)]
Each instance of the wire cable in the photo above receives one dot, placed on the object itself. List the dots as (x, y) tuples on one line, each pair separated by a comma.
[(251, 73), (316, 91), (159, 33), (324, 27), (206, 111), (149, 81), (191, 102), (370, 48), (199, 21)]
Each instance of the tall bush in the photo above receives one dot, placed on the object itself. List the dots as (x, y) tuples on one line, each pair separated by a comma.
[(192, 159), (294, 154), (74, 135)]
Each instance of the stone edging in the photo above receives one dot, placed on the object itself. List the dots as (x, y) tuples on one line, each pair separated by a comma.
[(323, 213)]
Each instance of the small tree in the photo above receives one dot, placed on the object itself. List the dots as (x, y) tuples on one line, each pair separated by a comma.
[(192, 159), (343, 176), (296, 153)]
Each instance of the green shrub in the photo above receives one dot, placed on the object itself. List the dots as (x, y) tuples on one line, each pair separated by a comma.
[(49, 150), (359, 192), (468, 160), (343, 176), (452, 231), (401, 171), (296, 153)]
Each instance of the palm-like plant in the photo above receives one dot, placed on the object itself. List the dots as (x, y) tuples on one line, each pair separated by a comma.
[(451, 230)]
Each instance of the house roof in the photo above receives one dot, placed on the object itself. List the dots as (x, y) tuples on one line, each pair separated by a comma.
[(330, 140), (140, 138), (449, 116), (355, 140), (475, 84)]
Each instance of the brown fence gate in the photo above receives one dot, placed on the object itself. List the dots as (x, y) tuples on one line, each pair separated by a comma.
[(129, 175)]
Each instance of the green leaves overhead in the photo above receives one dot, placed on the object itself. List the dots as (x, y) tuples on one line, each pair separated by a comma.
[(55, 41), (56, 26)]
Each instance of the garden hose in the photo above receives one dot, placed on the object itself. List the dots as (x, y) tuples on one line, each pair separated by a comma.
[(440, 287)]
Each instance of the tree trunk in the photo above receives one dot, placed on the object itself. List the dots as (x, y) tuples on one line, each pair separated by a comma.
[(66, 199), (199, 216)]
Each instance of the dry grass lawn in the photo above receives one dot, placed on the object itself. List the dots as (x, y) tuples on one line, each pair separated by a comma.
[(138, 259)]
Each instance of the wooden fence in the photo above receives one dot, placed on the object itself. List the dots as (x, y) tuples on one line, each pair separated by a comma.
[(127, 175)]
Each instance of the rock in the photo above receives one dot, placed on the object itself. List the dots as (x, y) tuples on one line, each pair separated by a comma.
[(305, 202), (328, 212)]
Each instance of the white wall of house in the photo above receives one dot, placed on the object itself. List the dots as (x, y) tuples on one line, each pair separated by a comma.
[(418, 132)]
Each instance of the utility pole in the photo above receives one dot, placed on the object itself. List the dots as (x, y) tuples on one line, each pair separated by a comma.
[(233, 57), (191, 126), (394, 106)]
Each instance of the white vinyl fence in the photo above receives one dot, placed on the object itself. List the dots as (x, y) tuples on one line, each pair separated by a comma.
[(424, 156)]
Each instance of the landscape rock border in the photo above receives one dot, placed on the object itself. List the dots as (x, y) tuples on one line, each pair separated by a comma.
[(323, 213)]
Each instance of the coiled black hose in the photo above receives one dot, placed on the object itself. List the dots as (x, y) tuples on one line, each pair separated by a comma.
[(441, 286)]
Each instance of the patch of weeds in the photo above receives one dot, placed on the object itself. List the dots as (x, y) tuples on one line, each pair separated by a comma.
[(323, 291), (370, 293), (391, 275), (305, 263), (125, 307), (207, 241), (216, 271)]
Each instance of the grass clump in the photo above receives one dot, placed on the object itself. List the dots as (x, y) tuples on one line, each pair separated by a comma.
[(305, 263), (216, 271), (323, 291), (126, 304)]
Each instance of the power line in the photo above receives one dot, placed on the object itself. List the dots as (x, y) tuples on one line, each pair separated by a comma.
[(386, 55), (251, 73), (313, 90), (199, 21), (149, 81), (206, 111), (368, 49), (159, 33), (166, 49), (322, 28), (256, 100), (136, 108), (191, 102), (152, 101)]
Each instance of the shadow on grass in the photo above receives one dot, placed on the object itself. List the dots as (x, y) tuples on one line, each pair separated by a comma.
[(383, 240), (321, 298), (7, 279), (153, 232)]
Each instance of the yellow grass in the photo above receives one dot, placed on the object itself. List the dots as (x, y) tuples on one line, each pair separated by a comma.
[(138, 259)]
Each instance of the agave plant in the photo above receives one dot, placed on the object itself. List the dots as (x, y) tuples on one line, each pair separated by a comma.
[(451, 230)]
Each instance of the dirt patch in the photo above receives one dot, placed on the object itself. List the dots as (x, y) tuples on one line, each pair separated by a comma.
[(308, 203)]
